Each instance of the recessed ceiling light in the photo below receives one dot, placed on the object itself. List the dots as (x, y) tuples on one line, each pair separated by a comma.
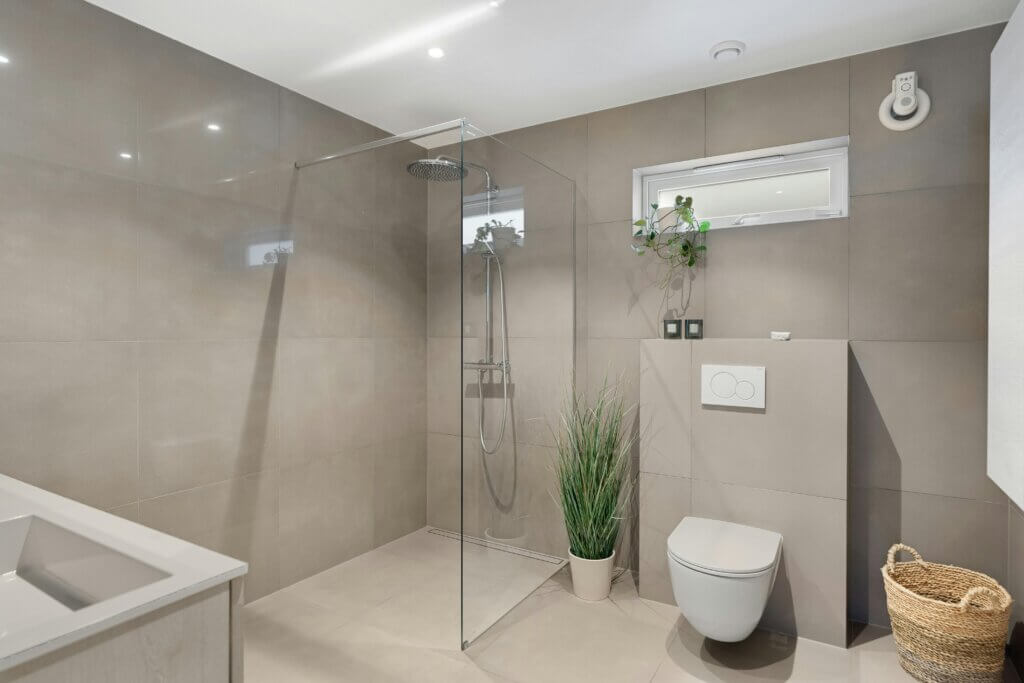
[(125, 155), (495, 3), (4, 59), (215, 127), (436, 52), (727, 50)]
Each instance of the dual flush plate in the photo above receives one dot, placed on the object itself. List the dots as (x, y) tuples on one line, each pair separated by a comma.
[(737, 386)]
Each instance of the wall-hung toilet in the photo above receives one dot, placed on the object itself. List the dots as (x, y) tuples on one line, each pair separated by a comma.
[(722, 574)]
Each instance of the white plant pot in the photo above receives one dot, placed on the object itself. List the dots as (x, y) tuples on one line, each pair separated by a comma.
[(591, 579)]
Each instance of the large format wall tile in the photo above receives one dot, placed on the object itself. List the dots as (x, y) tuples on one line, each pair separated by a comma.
[(444, 482), (327, 512), (205, 413), (956, 531), (238, 517), (951, 146), (70, 91), (665, 413), (797, 105), (181, 92), (918, 265), (642, 134), (68, 253), (918, 418), (806, 395), (399, 487), (792, 277), (399, 387), (324, 397), (68, 415), (625, 296), (664, 501), (330, 281), (399, 291), (195, 276), (809, 598)]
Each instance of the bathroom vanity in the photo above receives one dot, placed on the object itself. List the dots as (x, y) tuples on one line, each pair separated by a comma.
[(90, 597)]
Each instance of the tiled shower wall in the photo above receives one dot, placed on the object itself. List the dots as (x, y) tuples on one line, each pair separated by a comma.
[(904, 278), (275, 413)]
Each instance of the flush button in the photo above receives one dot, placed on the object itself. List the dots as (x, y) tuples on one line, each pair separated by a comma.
[(740, 386)]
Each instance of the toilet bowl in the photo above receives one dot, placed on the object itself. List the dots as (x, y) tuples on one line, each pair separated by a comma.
[(722, 574)]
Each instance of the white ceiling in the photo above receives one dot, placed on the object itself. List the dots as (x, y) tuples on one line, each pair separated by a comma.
[(529, 61)]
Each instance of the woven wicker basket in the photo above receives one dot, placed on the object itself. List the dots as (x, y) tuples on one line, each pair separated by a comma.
[(949, 623)]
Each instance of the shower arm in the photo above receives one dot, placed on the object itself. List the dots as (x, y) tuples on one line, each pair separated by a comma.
[(491, 187)]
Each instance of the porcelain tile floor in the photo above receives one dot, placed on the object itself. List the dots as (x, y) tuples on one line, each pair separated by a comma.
[(392, 615)]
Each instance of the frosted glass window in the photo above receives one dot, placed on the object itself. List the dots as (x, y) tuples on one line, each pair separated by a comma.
[(785, 192), (769, 186)]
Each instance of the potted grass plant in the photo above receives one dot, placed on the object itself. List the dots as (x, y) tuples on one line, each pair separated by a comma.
[(592, 469)]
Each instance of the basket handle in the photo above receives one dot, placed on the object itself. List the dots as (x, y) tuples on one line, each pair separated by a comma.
[(896, 547), (986, 595)]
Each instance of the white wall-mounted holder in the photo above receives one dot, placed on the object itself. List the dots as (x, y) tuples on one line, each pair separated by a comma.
[(906, 106)]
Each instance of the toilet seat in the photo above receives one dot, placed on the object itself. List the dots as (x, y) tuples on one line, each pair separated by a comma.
[(711, 546)]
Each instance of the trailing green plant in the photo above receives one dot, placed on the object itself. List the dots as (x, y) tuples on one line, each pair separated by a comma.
[(675, 235), (592, 468)]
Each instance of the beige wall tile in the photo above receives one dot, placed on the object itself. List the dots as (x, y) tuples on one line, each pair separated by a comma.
[(619, 140), (664, 501), (665, 410), (68, 253), (195, 281), (918, 418), (806, 395), (324, 397), (330, 281), (71, 88), (326, 512), (779, 109), (538, 277), (399, 487), (957, 531), (68, 413), (907, 279), (399, 387), (951, 146), (205, 412), (181, 91), (445, 382), (237, 517), (809, 597), (444, 482), (792, 277), (625, 297)]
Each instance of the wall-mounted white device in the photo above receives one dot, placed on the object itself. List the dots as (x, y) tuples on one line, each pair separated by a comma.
[(740, 386), (906, 106)]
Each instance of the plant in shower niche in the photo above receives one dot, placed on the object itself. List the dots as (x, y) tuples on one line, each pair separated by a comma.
[(592, 468), (674, 235)]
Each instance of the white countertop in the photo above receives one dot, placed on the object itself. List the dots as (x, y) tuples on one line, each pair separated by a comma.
[(189, 568)]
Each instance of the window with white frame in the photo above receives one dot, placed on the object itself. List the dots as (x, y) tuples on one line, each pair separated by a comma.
[(807, 181)]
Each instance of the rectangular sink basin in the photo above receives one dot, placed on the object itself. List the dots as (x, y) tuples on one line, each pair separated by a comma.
[(47, 571)]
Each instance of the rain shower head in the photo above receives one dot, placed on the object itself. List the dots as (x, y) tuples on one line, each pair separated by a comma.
[(445, 169), (441, 170)]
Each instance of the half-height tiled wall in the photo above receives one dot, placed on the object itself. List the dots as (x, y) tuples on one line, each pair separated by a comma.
[(273, 412), (782, 468)]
